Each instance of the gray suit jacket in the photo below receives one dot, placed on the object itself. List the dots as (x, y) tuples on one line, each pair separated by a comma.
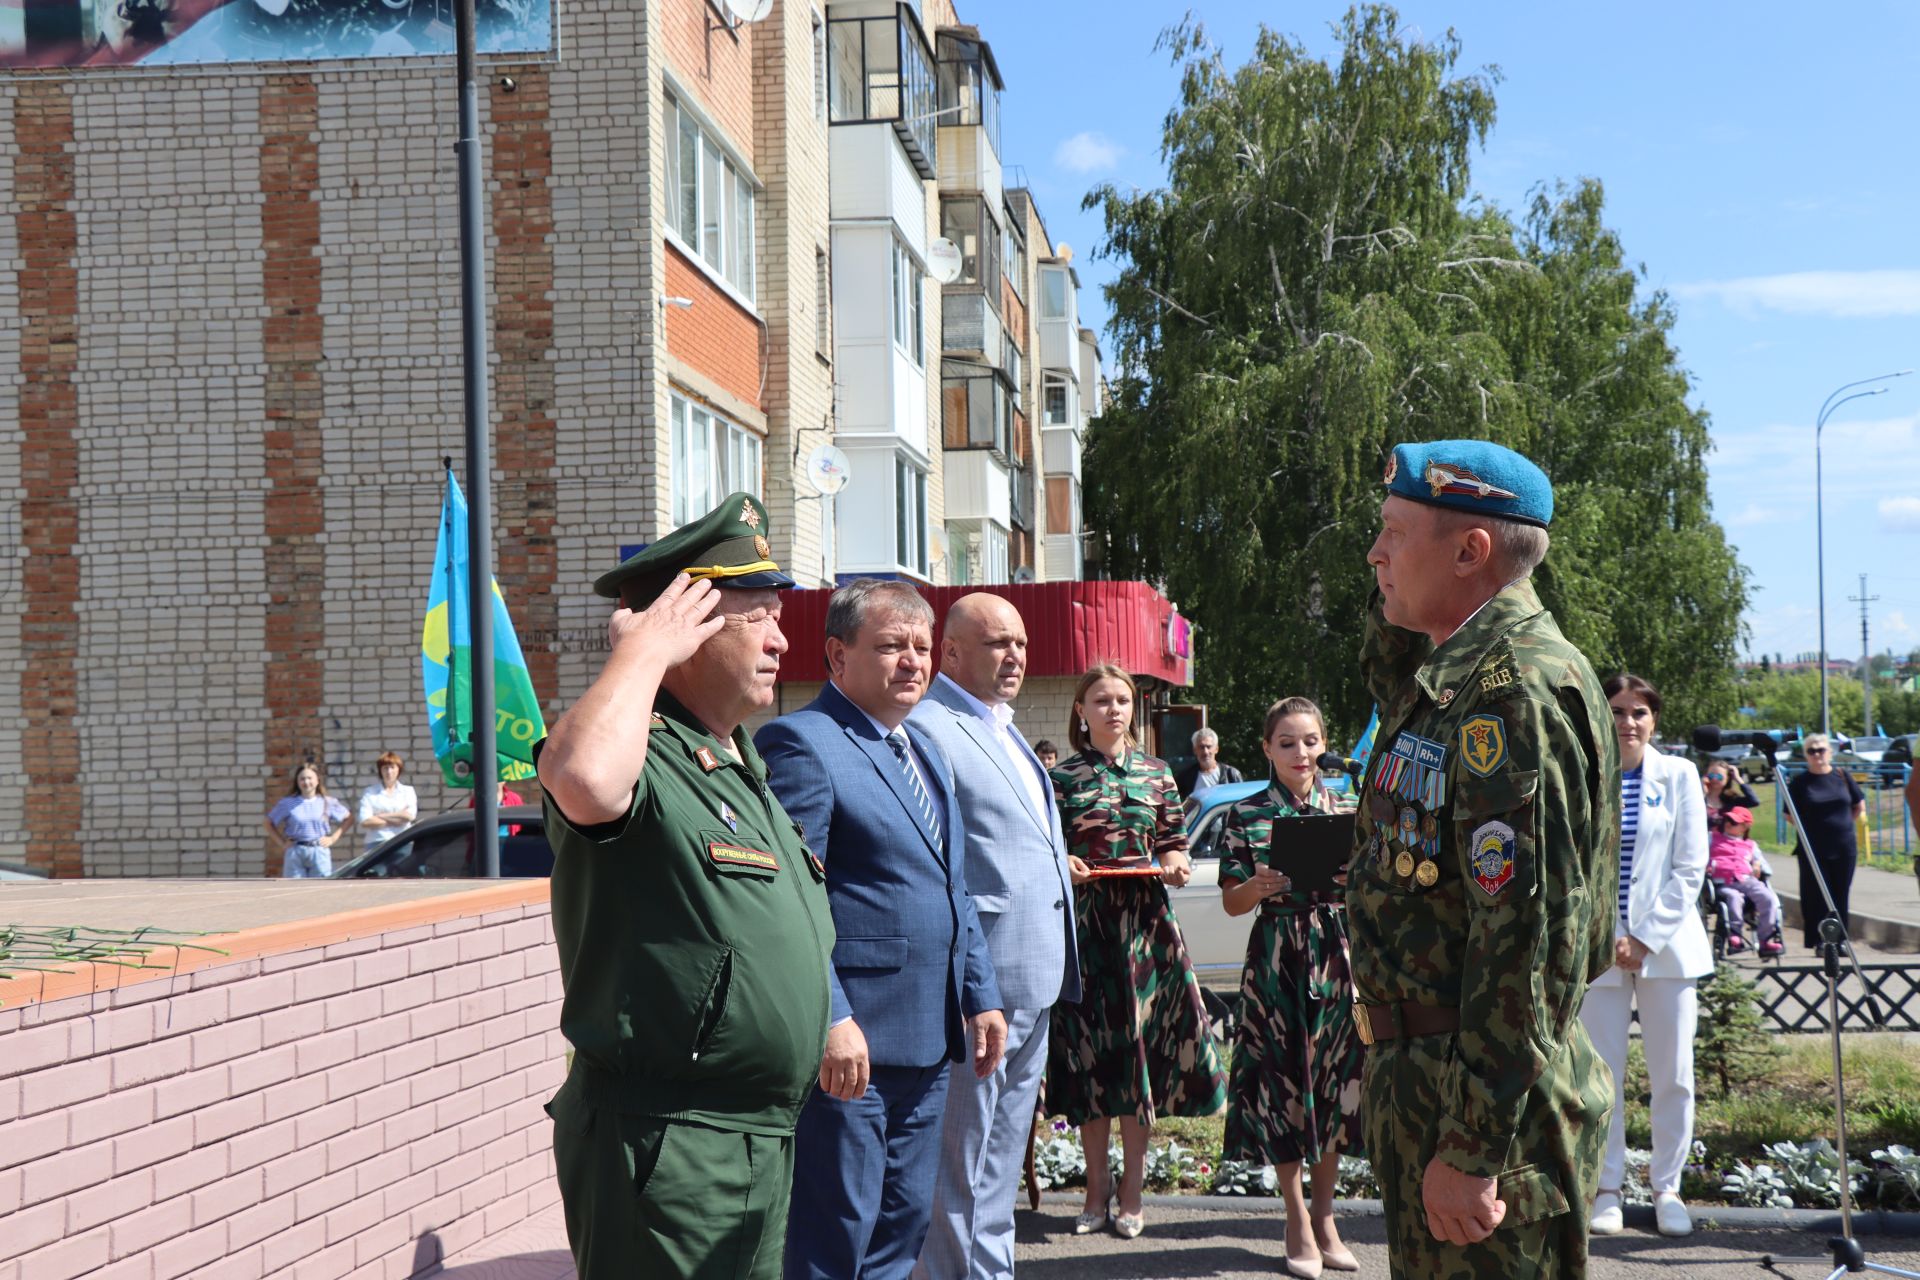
[(1016, 858)]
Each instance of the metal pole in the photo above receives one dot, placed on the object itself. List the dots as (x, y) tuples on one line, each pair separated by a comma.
[(1820, 543), (473, 332), (1831, 403)]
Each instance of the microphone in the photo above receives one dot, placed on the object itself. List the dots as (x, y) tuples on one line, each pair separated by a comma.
[(1711, 737), (1331, 763)]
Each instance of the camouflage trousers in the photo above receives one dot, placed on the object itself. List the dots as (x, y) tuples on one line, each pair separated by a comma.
[(1548, 1188)]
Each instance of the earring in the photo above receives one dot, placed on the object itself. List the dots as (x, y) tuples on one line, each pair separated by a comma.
[(1083, 726)]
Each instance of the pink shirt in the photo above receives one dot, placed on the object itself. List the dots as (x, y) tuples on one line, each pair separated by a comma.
[(1730, 858)]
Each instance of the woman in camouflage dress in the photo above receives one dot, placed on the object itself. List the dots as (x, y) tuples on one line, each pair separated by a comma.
[(1295, 1092), (1138, 1043)]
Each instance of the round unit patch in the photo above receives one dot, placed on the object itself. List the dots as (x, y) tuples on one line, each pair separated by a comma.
[(1492, 857)]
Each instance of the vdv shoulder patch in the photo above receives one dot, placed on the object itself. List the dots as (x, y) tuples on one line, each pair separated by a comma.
[(1483, 744), (1492, 857)]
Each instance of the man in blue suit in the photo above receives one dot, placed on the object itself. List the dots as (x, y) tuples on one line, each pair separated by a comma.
[(913, 987), (1017, 869)]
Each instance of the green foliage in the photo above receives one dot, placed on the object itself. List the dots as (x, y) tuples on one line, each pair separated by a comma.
[(1731, 1048), (1315, 284)]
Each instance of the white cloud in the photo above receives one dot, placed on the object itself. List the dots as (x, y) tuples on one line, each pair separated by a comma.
[(1900, 514), (1772, 466), (1845, 294), (1895, 627), (1087, 152), (1751, 514)]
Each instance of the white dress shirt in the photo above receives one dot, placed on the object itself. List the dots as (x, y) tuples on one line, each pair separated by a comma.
[(999, 718)]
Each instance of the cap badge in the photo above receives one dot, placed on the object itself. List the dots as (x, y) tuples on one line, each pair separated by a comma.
[(1393, 468), (1460, 481), (761, 547), (751, 518)]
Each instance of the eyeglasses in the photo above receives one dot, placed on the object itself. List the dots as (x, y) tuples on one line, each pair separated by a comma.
[(1819, 751)]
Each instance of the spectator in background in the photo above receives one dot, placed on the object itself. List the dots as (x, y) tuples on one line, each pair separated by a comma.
[(504, 797), (304, 823), (1048, 753), (1829, 802), (1206, 769), (1725, 790), (1738, 869), (1660, 953), (388, 808)]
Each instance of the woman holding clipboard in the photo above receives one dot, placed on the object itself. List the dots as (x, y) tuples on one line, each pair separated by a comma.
[(1137, 1044), (1294, 1096)]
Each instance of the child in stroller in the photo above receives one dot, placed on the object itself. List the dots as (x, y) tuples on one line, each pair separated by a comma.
[(1739, 872)]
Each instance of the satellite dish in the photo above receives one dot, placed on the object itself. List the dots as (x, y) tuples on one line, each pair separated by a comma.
[(944, 260), (743, 11), (828, 470), (1024, 575)]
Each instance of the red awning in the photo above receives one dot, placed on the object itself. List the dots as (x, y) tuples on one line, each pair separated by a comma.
[(1070, 626)]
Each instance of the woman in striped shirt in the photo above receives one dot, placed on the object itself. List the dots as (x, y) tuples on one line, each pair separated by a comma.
[(1660, 952)]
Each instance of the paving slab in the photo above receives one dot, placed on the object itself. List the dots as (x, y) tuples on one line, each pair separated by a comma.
[(203, 906)]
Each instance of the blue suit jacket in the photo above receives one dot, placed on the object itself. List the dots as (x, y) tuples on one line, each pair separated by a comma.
[(911, 963), (1016, 855)]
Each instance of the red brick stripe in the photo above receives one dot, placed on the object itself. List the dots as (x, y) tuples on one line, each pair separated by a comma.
[(295, 558), (49, 468), (521, 164)]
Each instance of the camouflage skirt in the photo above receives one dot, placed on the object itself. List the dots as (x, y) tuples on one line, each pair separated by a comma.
[(1295, 1089), (1138, 1043)]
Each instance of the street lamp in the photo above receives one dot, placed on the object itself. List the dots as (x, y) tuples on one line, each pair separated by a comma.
[(1827, 407)]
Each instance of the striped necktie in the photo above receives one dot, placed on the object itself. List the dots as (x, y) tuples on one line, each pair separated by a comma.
[(898, 741)]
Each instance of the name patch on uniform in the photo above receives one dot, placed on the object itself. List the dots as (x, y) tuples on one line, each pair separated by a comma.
[(1492, 857), (707, 759), (1483, 744), (740, 856)]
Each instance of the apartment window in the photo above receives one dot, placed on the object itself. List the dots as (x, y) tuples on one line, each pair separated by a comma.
[(907, 316), (819, 68), (1011, 363), (712, 457), (1053, 293), (970, 86), (1054, 392), (910, 516), (880, 69), (1015, 265), (965, 221), (711, 204), (822, 305), (975, 409), (993, 554)]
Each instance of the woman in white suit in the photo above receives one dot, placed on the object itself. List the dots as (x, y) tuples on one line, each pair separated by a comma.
[(1660, 952)]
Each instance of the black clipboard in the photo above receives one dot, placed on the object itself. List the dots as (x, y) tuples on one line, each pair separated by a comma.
[(1310, 850)]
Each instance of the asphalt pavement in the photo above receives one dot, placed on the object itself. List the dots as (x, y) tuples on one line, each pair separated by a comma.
[(1231, 1239)]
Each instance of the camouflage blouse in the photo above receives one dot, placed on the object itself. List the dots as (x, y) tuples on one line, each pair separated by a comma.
[(1119, 813), (1249, 831)]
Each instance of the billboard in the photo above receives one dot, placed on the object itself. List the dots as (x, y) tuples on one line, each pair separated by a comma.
[(173, 33)]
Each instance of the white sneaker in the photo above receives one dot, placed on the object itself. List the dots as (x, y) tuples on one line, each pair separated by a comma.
[(1671, 1216), (1607, 1218)]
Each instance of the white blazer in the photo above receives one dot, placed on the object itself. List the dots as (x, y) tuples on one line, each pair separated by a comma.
[(1669, 867)]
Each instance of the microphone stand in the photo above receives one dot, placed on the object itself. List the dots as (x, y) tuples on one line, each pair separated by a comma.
[(1848, 1255)]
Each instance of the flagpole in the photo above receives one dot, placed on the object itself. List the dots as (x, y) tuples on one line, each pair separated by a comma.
[(473, 303)]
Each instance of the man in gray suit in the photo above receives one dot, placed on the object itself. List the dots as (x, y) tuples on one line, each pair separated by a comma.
[(1017, 872)]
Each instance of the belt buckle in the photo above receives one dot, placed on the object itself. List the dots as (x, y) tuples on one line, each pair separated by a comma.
[(1363, 1024)]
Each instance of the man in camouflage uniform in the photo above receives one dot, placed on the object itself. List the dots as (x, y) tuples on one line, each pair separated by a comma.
[(1481, 895)]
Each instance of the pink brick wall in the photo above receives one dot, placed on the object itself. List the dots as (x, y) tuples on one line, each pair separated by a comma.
[(361, 1109)]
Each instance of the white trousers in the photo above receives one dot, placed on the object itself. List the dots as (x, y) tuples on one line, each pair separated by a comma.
[(983, 1149), (1669, 1011)]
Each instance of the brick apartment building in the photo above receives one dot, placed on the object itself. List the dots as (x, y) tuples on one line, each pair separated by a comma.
[(229, 333)]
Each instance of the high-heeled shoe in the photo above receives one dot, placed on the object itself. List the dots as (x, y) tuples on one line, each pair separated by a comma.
[(1335, 1257), (1305, 1268), (1128, 1226), (1088, 1223)]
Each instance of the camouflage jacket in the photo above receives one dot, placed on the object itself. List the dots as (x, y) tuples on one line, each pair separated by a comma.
[(1248, 831), (1119, 812), (1486, 853)]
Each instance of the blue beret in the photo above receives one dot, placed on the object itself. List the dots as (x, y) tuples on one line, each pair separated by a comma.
[(1471, 475)]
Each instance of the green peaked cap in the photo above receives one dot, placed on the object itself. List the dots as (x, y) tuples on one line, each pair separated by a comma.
[(728, 546)]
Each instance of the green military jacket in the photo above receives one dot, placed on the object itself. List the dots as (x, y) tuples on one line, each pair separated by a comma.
[(1487, 853), (694, 939)]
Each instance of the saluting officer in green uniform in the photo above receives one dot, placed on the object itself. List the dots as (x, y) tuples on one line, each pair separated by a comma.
[(692, 922), (1481, 897)]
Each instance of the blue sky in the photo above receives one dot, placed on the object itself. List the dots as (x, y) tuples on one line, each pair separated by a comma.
[(1759, 160)]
